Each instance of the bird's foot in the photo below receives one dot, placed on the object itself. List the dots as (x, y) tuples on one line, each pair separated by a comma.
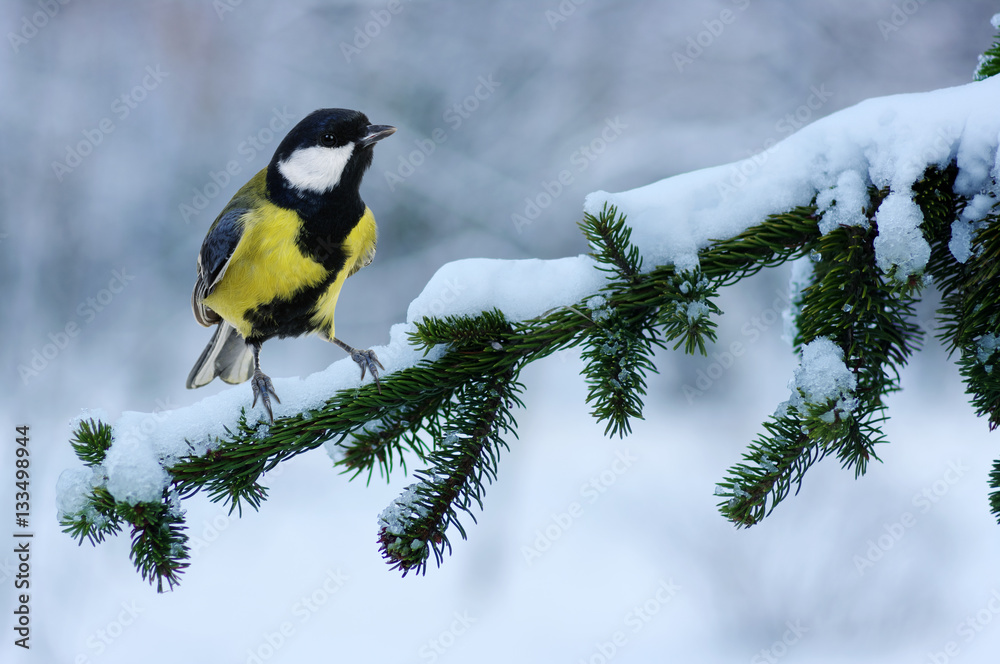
[(367, 360), (263, 388)]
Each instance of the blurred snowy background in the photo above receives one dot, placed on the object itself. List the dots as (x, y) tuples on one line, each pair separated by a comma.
[(145, 105)]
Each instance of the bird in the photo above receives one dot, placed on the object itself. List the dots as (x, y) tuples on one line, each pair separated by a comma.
[(275, 259)]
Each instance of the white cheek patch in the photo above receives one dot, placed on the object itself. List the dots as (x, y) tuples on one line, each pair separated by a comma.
[(317, 168)]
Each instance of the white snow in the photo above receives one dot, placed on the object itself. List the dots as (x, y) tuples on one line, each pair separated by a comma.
[(696, 310), (985, 345), (821, 377), (899, 243), (969, 222), (74, 486), (887, 141), (961, 239), (597, 302), (599, 310), (844, 204), (135, 473), (401, 511), (86, 414), (521, 289)]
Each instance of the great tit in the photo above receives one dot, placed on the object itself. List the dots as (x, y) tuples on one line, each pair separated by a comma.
[(275, 259)]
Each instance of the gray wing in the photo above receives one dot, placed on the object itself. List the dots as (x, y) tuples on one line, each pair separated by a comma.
[(216, 250)]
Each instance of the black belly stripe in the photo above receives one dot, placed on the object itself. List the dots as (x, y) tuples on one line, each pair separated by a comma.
[(287, 317), (327, 221)]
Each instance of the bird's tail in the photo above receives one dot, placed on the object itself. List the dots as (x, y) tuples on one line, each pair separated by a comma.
[(227, 356)]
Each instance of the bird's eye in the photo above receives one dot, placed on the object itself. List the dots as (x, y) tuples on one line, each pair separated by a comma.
[(328, 140)]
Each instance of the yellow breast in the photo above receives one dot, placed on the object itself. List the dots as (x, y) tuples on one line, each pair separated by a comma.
[(267, 265)]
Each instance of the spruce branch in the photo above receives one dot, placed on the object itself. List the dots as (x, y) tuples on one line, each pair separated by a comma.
[(450, 413), (989, 61), (611, 241), (617, 358), (91, 442), (869, 317), (855, 305), (469, 388), (772, 464), (95, 522), (416, 524), (159, 545), (969, 315), (995, 493), (688, 317), (384, 442), (487, 329), (975, 334)]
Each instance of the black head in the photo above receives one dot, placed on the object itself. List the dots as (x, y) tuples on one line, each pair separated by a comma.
[(329, 150)]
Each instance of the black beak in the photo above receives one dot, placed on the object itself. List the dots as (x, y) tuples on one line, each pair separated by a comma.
[(376, 133)]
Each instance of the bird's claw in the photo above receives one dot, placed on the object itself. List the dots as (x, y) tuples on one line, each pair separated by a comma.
[(367, 360), (263, 388)]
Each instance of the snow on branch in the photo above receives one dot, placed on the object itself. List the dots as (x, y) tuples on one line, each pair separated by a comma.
[(885, 143), (877, 202)]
